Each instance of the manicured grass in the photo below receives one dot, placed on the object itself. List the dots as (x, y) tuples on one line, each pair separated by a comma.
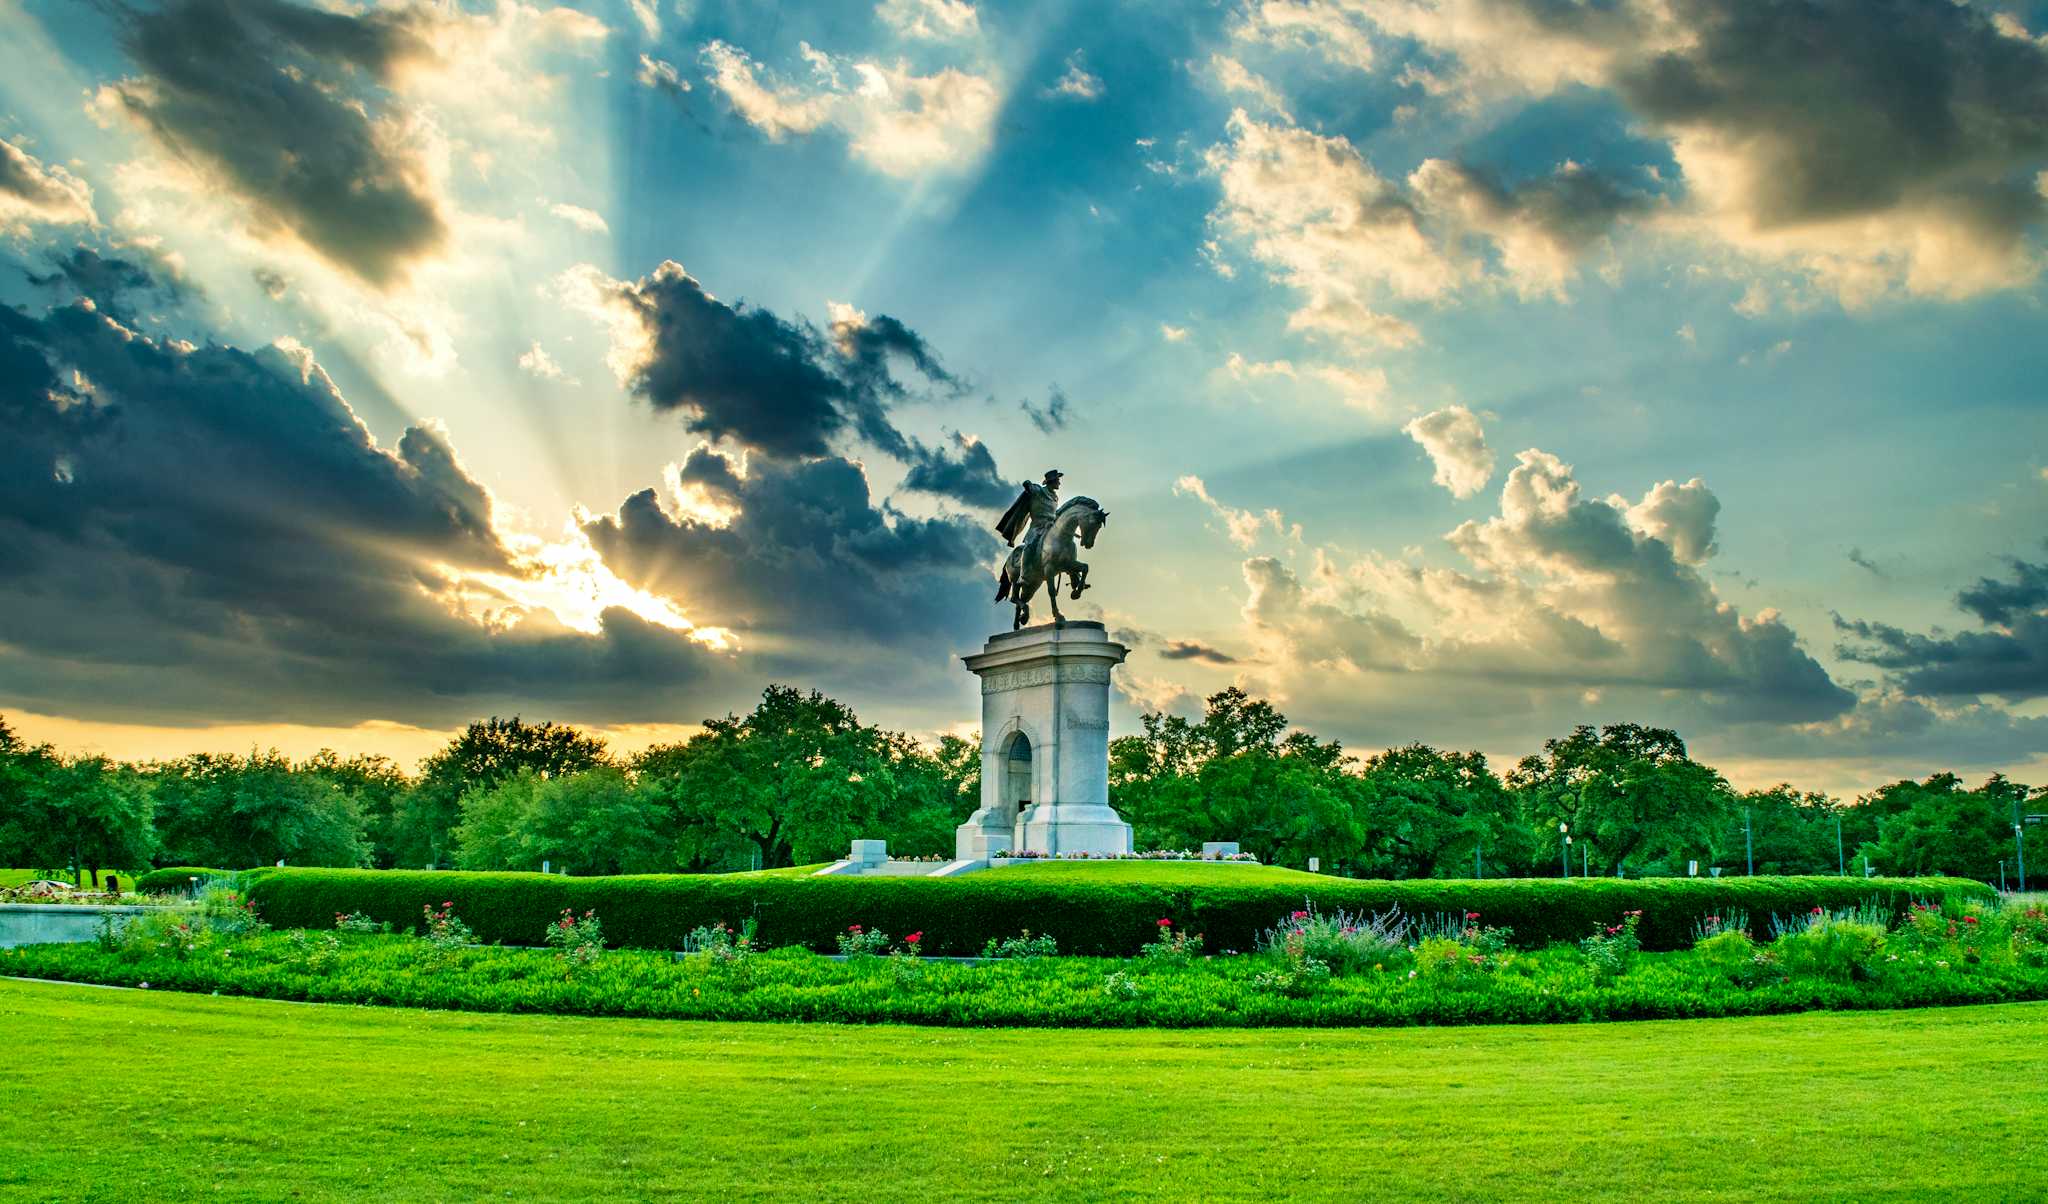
[(1159, 873), (250, 1100), (15, 877)]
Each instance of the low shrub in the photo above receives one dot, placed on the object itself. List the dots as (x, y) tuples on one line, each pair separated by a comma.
[(577, 940), (1829, 947), (1343, 942), (861, 941), (1172, 946), (1613, 946), (1018, 947), (961, 915), (1731, 953)]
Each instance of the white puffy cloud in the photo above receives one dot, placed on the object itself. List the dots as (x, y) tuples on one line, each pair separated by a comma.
[(1313, 210), (930, 20), (1242, 526), (1680, 515), (1784, 157), (1077, 83), (588, 220), (1334, 30), (897, 121), (1456, 445), (31, 191), (1233, 76)]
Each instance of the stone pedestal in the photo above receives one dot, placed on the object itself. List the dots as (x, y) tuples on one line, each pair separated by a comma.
[(1045, 744)]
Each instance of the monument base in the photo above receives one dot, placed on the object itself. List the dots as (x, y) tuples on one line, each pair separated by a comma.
[(1045, 745)]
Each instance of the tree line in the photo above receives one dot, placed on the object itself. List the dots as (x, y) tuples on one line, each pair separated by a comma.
[(796, 778)]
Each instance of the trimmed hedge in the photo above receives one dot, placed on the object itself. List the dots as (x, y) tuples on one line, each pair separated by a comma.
[(177, 879), (959, 915)]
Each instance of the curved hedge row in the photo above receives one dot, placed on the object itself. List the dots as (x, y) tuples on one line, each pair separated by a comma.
[(959, 915), (176, 879)]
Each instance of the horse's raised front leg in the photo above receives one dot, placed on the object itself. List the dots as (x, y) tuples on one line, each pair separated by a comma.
[(1079, 576)]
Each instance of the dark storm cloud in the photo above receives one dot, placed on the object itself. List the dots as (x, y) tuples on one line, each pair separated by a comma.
[(2009, 659), (1573, 207), (1050, 417), (1188, 650), (741, 372), (108, 281), (209, 534), (277, 101), (808, 554), (966, 474), (1850, 107)]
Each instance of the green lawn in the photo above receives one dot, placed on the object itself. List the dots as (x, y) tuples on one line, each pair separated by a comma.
[(1160, 873), (140, 1096)]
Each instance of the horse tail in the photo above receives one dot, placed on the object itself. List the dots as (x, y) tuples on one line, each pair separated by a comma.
[(1003, 586)]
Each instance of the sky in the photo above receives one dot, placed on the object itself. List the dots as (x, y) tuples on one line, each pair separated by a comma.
[(1453, 370)]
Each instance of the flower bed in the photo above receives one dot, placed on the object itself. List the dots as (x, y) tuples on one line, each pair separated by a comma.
[(1313, 969)]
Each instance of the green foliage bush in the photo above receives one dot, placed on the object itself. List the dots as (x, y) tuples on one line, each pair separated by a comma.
[(1829, 948), (1102, 917), (177, 879)]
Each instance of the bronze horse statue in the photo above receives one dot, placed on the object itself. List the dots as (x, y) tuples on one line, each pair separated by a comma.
[(1051, 556)]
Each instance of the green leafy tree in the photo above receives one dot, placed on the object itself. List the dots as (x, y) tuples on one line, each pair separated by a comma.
[(84, 814), (235, 812), (1937, 826), (1238, 774), (486, 753), (1631, 791), (1791, 831), (1428, 812), (379, 788), (595, 822), (793, 782)]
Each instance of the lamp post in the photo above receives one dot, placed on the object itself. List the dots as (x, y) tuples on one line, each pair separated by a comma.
[(1841, 863), (1585, 861), (1564, 849), (1748, 843)]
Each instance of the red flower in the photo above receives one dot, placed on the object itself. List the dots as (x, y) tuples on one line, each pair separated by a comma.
[(1969, 919), (1471, 915), (853, 928), (1166, 923), (913, 938), (1301, 915), (448, 904), (1816, 911)]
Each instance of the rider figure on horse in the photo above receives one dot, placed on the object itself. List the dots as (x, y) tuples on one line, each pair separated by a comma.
[(1036, 505), (1054, 534)]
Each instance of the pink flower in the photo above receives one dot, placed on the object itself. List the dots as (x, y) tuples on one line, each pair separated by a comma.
[(1166, 923), (448, 903), (1816, 911), (1301, 915), (1471, 915)]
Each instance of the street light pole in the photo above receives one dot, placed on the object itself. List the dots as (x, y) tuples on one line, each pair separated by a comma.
[(1748, 843), (1564, 848), (1841, 862), (1585, 861)]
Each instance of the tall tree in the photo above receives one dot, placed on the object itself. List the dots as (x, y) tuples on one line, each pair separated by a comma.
[(235, 812), (1938, 827), (793, 781), (1631, 791), (1238, 774), (486, 753), (595, 822), (377, 785), (1429, 812)]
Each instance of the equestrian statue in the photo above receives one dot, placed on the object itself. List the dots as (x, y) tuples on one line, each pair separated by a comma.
[(1053, 532)]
